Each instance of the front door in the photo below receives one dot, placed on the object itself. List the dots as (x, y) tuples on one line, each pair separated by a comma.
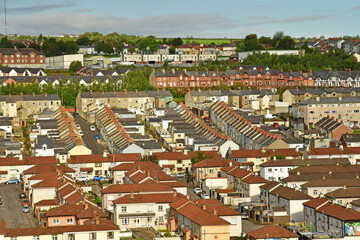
[(138, 222)]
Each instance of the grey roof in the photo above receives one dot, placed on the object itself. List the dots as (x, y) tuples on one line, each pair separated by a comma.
[(149, 145), (41, 140), (355, 138), (331, 100), (327, 124)]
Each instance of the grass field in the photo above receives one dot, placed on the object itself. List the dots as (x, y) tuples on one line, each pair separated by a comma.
[(209, 40)]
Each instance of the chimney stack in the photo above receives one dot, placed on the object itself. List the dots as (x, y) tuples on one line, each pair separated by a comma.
[(33, 94), (131, 195), (204, 207)]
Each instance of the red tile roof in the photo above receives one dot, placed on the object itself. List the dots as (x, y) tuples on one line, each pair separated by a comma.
[(225, 190), (55, 183), (182, 156), (333, 151), (45, 176), (254, 179), (270, 185), (137, 188), (316, 202), (339, 212), (48, 168), (124, 157), (123, 167), (206, 202), (86, 169), (222, 210), (272, 232), (47, 202), (289, 193), (349, 182), (149, 198), (210, 163), (344, 193), (17, 232), (28, 161), (326, 169), (263, 153)]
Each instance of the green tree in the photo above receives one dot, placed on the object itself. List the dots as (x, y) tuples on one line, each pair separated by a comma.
[(75, 66), (20, 45), (198, 157), (148, 45), (99, 46), (108, 48), (177, 42), (35, 46), (151, 158), (83, 41), (71, 47), (240, 47), (118, 47), (5, 43), (40, 38)]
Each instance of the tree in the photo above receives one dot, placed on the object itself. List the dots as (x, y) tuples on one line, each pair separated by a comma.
[(75, 66), (177, 42), (108, 48), (198, 157), (5, 43), (151, 158), (240, 47), (35, 46), (132, 50), (40, 38), (83, 41), (99, 46), (148, 45), (277, 37), (20, 45), (118, 47), (71, 47)]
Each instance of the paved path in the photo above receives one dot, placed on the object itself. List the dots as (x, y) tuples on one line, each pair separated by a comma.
[(11, 209)]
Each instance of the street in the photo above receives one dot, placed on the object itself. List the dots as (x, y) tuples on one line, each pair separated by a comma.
[(11, 209), (248, 226), (190, 188), (88, 137)]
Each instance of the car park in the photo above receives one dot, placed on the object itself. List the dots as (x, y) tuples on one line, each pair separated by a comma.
[(14, 181), (25, 209), (197, 190), (97, 178), (92, 128), (82, 179), (22, 195)]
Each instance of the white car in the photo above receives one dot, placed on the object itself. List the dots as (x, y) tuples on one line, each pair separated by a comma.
[(205, 196), (81, 133), (92, 128), (82, 179), (197, 190)]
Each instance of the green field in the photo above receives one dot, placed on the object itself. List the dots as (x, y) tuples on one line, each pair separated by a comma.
[(209, 40)]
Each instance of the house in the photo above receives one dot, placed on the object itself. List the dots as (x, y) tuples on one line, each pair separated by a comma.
[(344, 196), (260, 156), (22, 57), (94, 229), (352, 153), (350, 140), (272, 232), (316, 188), (66, 215), (276, 195), (143, 210), (278, 169), (44, 146), (332, 129), (87, 49), (192, 221), (99, 164), (111, 193), (334, 220)]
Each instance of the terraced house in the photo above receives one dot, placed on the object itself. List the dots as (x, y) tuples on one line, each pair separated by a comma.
[(22, 57), (87, 103)]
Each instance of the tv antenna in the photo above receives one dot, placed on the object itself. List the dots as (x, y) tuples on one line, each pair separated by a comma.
[(5, 18)]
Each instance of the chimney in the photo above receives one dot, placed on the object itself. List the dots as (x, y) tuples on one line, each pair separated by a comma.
[(348, 70), (204, 207), (125, 91), (297, 173), (163, 70), (45, 93), (20, 156), (310, 71), (86, 205), (186, 152), (340, 98), (357, 175), (91, 92), (214, 211), (175, 193), (9, 94), (317, 98), (33, 94), (136, 91), (21, 94), (187, 196), (197, 201), (344, 187), (97, 220), (131, 195), (105, 154), (348, 205)]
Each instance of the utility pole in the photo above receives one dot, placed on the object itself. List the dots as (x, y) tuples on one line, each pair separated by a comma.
[(5, 18)]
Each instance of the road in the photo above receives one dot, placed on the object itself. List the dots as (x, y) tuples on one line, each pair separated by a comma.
[(248, 226), (88, 137), (190, 188), (11, 209)]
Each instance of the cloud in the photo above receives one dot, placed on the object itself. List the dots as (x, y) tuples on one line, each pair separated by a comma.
[(36, 8), (193, 24), (262, 20)]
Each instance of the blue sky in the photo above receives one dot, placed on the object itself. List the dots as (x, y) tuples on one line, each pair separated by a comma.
[(196, 18)]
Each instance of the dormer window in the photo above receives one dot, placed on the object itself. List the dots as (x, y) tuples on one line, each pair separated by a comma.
[(44, 147)]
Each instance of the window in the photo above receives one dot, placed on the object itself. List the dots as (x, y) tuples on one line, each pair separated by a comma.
[(13, 238), (269, 170), (233, 220), (161, 219), (123, 209), (69, 220), (211, 170), (92, 236), (149, 219), (56, 221), (36, 237), (39, 192), (71, 236), (110, 235), (160, 208), (150, 208), (110, 198), (137, 208), (339, 202), (98, 164), (54, 237), (315, 192), (98, 172), (125, 221)]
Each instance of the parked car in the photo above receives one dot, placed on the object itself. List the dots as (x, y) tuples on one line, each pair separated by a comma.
[(92, 128), (244, 215), (81, 133), (25, 209), (25, 202), (275, 124), (76, 115), (96, 136), (197, 190), (207, 119), (14, 181), (284, 128), (82, 179), (180, 175), (22, 195), (205, 196), (97, 178), (0, 201), (78, 126)]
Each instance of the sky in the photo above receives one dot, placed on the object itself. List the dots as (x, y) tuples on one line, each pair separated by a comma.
[(185, 18)]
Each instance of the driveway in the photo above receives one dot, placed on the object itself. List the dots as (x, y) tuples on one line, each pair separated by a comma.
[(143, 233), (11, 209), (190, 188), (88, 137)]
